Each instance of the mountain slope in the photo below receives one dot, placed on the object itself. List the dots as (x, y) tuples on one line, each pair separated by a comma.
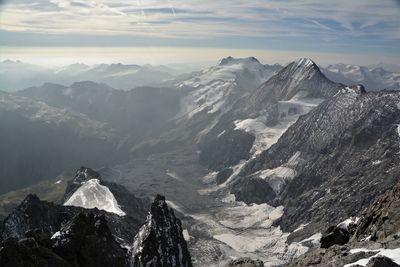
[(340, 156), (39, 141), (139, 112), (256, 121)]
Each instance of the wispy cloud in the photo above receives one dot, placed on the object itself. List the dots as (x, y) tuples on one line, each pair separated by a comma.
[(204, 18), (341, 26)]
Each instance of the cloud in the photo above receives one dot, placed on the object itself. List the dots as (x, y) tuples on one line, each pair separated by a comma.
[(307, 26), (204, 18)]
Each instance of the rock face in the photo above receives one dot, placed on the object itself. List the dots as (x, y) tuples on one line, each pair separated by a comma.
[(382, 219), (376, 232), (381, 261), (33, 213), (335, 236), (160, 241), (28, 252), (40, 233), (343, 154), (85, 240), (252, 190), (49, 217)]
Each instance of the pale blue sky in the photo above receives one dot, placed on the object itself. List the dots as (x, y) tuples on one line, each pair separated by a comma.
[(356, 29)]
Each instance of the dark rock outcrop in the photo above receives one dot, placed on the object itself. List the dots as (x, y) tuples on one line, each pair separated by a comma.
[(252, 190), (381, 261), (87, 241), (382, 218), (49, 217), (160, 241), (83, 241), (245, 262), (28, 252), (335, 236), (223, 175)]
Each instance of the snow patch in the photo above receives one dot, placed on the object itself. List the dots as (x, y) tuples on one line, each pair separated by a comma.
[(314, 239), (301, 227), (56, 234), (91, 194), (393, 254), (186, 235), (174, 176), (345, 224), (376, 162)]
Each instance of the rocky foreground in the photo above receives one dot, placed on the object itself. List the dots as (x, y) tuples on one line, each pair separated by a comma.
[(39, 233)]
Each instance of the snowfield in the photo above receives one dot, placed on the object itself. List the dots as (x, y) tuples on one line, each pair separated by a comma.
[(92, 194)]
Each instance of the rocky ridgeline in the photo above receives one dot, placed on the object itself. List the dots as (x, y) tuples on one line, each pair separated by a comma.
[(378, 229), (160, 241), (39, 233)]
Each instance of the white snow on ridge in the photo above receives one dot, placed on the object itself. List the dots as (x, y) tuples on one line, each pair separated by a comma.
[(212, 87), (345, 224), (393, 254), (91, 194)]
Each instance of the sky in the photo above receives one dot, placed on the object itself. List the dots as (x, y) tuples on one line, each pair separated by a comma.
[(182, 31)]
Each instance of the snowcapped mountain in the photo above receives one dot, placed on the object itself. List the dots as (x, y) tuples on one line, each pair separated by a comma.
[(257, 120), (373, 78), (214, 89)]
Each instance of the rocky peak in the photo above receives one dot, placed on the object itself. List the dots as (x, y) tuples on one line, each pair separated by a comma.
[(84, 174), (160, 241), (230, 61), (299, 79)]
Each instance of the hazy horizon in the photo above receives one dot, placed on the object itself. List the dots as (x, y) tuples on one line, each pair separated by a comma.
[(60, 32), (158, 56)]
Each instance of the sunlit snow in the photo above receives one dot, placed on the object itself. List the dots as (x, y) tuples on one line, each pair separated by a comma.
[(393, 254), (91, 195)]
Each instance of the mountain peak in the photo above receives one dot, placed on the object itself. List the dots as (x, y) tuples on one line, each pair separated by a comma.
[(305, 62), (160, 241), (230, 61)]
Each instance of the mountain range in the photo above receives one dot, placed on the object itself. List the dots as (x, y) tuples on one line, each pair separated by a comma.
[(261, 163), (17, 75)]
